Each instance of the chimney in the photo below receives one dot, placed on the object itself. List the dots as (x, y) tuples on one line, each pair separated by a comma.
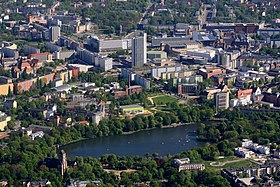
[(129, 81)]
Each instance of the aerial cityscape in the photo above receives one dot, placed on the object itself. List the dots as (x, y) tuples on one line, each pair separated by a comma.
[(156, 93)]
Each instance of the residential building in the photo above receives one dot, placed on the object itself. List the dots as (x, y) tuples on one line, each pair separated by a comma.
[(233, 175), (244, 93), (64, 88), (138, 79), (4, 119), (86, 56), (57, 82), (62, 55), (269, 31), (54, 33), (246, 143), (250, 28), (276, 154), (81, 67), (46, 56), (273, 98), (139, 50), (211, 71), (52, 47), (27, 85), (5, 80), (42, 183), (30, 50), (187, 88), (222, 100), (78, 183), (142, 81), (114, 85), (119, 94), (133, 90), (242, 152), (10, 103), (105, 63), (65, 75), (157, 71), (184, 74), (10, 52), (5, 89), (244, 97), (257, 95)]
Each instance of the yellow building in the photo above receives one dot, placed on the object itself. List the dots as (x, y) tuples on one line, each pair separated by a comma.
[(66, 76), (4, 119), (133, 109), (4, 89)]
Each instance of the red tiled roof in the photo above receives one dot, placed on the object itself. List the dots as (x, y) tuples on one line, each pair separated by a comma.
[(25, 64), (83, 122), (244, 93), (39, 54)]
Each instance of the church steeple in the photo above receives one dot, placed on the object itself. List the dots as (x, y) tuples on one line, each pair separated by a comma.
[(63, 162)]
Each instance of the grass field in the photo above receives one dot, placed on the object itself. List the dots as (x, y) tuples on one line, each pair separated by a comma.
[(242, 163), (164, 99)]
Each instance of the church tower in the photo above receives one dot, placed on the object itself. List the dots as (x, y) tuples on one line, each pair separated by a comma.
[(63, 162)]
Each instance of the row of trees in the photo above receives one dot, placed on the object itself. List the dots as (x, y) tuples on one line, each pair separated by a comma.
[(110, 15), (19, 161)]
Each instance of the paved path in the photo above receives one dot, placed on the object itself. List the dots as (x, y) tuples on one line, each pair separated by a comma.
[(219, 164)]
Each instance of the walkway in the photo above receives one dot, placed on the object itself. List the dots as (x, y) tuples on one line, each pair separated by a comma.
[(219, 164)]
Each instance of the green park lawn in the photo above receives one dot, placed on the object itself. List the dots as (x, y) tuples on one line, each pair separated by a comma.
[(164, 99), (242, 163)]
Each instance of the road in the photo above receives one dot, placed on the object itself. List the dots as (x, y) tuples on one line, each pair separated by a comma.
[(202, 17), (146, 11), (219, 164), (142, 20)]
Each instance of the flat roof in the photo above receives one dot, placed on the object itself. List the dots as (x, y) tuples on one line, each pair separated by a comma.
[(131, 106), (156, 52)]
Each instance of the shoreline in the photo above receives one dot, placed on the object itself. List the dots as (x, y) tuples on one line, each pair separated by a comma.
[(132, 132), (176, 125)]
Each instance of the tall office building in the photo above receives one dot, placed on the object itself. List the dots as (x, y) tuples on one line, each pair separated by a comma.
[(222, 100), (54, 33), (139, 50)]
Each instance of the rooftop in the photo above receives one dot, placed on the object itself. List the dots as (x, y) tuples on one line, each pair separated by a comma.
[(155, 52), (130, 106)]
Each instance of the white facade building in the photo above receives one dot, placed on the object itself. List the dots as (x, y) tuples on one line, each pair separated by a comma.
[(245, 153), (39, 134)]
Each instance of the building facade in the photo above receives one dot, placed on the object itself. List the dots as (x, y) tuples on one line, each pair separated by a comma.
[(139, 50), (54, 33), (222, 101)]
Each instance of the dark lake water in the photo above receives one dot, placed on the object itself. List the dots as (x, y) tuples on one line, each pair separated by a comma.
[(162, 141)]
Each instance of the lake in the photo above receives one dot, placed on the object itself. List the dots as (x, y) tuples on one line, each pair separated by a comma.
[(163, 141)]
